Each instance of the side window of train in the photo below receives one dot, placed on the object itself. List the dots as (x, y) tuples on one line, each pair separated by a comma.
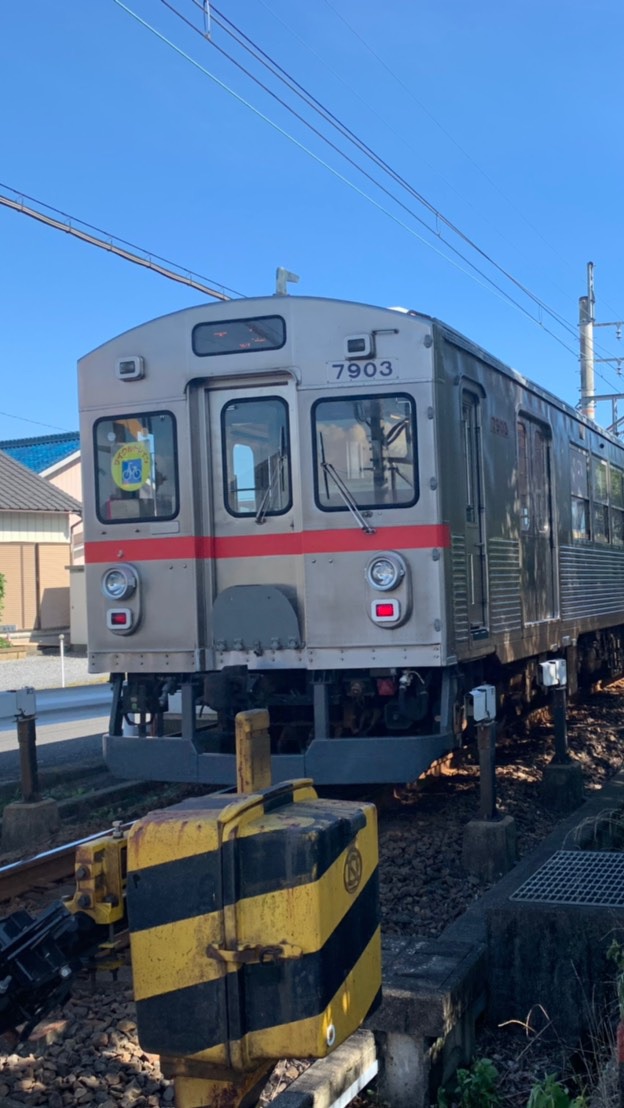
[(579, 487), (600, 500), (136, 467), (365, 452), (533, 487), (256, 457), (617, 506), (472, 449)]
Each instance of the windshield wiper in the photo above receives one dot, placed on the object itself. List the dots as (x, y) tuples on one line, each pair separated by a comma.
[(267, 500), (345, 494)]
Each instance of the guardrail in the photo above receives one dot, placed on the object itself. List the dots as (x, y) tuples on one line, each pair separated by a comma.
[(48, 701)]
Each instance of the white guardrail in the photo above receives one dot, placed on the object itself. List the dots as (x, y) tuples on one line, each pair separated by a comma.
[(38, 702)]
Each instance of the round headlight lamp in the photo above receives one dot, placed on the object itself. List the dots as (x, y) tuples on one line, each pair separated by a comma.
[(119, 582), (385, 572)]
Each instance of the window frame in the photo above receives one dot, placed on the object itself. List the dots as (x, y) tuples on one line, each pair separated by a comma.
[(224, 458), (176, 468), (236, 350), (616, 511), (597, 465), (586, 500), (315, 461)]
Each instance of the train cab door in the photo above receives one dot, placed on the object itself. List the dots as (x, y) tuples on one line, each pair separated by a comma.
[(536, 524), (475, 514), (254, 516)]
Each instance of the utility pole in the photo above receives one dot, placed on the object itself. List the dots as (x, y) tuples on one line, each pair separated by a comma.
[(586, 331), (587, 322)]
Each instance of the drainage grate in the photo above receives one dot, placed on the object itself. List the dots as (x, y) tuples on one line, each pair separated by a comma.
[(577, 877)]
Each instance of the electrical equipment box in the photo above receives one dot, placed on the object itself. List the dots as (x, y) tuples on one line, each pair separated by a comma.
[(254, 925), (553, 673), (481, 703)]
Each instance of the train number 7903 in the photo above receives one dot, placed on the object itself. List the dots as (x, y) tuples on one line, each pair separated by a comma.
[(346, 372)]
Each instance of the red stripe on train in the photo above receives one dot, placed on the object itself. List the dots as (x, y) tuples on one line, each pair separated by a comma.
[(253, 546)]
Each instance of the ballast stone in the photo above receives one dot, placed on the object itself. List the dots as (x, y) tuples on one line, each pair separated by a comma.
[(25, 825)]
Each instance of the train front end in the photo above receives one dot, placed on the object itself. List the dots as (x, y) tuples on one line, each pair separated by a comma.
[(263, 528)]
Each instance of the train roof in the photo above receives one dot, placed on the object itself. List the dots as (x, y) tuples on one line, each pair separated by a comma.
[(231, 309)]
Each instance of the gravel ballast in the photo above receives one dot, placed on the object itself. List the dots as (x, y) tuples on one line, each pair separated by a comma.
[(423, 888), (43, 671)]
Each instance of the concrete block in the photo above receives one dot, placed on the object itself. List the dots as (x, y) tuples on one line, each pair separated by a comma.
[(549, 962), (27, 825), (562, 786), (489, 848), (338, 1078), (433, 992), (404, 1075)]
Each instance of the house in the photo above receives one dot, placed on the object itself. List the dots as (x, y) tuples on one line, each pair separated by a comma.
[(57, 459), (36, 523)]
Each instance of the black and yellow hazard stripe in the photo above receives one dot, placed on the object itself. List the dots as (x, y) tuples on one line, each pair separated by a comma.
[(278, 879)]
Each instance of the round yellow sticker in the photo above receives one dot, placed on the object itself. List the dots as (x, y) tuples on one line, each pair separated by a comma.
[(131, 466)]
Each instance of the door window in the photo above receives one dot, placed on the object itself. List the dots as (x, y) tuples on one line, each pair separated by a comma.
[(256, 460)]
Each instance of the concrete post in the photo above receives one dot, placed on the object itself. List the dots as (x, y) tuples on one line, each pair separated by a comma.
[(27, 742)]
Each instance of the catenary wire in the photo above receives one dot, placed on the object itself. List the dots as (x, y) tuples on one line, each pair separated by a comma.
[(91, 226), (274, 67), (52, 426), (501, 293), (451, 137), (277, 70), (350, 184)]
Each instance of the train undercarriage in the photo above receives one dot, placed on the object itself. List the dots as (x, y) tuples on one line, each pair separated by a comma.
[(357, 726)]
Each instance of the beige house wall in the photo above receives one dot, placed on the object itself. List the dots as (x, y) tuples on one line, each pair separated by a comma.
[(67, 476), (34, 555)]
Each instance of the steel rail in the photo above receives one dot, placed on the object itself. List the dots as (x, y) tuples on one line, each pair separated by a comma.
[(45, 868)]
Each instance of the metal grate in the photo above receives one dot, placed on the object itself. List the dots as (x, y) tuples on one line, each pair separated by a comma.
[(577, 877)]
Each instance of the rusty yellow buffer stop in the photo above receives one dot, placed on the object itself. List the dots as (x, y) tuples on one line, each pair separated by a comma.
[(254, 925)]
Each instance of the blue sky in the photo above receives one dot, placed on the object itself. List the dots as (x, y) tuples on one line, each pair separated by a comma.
[(505, 117)]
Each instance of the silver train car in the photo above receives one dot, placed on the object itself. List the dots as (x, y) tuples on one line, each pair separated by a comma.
[(347, 514)]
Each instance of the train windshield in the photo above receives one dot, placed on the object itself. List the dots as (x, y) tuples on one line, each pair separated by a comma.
[(256, 457), (136, 473), (365, 449)]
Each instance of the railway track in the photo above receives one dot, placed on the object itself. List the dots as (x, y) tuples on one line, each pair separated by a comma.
[(45, 869), (423, 888)]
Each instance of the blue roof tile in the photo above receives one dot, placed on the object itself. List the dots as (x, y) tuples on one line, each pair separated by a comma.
[(38, 454)]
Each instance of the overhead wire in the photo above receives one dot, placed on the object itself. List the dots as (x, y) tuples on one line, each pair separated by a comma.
[(23, 419), (423, 107), (150, 255), (501, 293), (252, 47), (277, 70), (326, 165), (346, 132)]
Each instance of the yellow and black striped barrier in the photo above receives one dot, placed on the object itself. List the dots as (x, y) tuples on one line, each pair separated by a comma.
[(254, 927)]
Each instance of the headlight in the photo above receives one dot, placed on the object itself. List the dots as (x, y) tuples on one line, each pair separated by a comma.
[(119, 583), (385, 572)]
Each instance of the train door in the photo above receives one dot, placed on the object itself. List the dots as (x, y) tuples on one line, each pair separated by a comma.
[(536, 526), (254, 524), (475, 512)]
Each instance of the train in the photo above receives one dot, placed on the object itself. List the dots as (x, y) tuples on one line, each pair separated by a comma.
[(350, 515)]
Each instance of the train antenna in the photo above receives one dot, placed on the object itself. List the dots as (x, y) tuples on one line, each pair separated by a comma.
[(283, 277)]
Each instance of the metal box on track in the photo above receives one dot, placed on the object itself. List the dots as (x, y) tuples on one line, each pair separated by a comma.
[(254, 925)]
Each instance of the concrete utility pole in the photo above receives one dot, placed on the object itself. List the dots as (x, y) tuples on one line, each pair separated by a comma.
[(587, 323), (586, 330)]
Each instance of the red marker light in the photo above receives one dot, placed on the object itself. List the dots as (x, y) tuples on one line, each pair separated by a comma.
[(119, 619), (385, 612)]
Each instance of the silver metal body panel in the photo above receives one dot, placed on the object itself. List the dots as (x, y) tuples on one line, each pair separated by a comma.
[(493, 570)]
